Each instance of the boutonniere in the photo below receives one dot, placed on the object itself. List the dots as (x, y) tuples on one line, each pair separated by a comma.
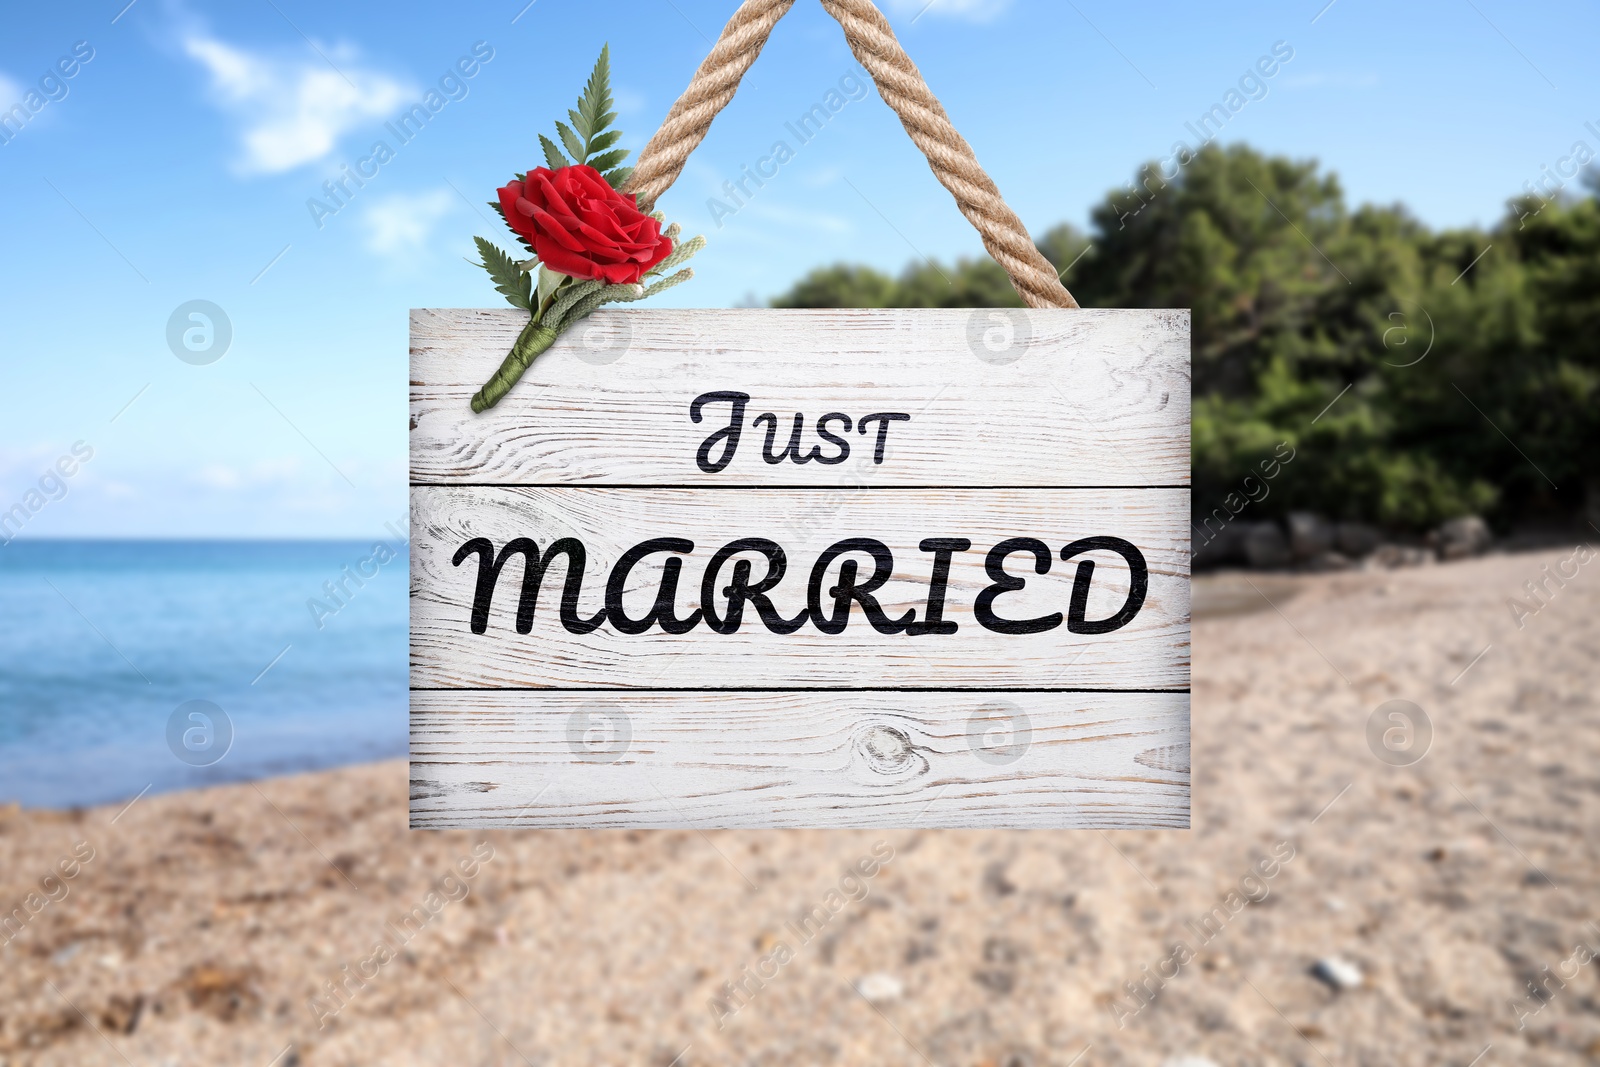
[(590, 243)]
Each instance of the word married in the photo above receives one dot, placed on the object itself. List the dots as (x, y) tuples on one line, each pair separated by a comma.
[(841, 596), (728, 436)]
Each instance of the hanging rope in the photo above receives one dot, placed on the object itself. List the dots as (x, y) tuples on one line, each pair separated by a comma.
[(901, 85)]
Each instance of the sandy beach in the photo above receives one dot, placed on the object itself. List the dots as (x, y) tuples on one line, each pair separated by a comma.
[(299, 921)]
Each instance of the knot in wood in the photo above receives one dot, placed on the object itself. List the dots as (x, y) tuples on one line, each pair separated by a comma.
[(888, 751)]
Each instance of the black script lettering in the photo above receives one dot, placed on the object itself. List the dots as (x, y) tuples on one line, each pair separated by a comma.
[(729, 433), (740, 591), (828, 436), (847, 589), (663, 611), (995, 567), (534, 567), (883, 419), (793, 450), (933, 620), (1138, 585)]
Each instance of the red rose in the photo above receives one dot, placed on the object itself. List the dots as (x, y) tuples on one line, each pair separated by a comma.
[(579, 225)]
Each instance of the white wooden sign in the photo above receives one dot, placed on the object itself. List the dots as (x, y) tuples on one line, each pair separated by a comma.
[(803, 568)]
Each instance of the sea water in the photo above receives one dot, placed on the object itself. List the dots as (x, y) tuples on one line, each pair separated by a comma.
[(300, 645)]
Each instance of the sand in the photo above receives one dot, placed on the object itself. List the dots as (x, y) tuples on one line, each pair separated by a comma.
[(206, 921)]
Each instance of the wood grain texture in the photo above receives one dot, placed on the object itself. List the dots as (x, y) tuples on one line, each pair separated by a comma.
[(856, 759), (997, 397), (1045, 424), (1151, 651)]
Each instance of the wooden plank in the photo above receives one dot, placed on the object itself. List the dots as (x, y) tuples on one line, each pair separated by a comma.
[(997, 397), (1050, 425), (1149, 652), (856, 759)]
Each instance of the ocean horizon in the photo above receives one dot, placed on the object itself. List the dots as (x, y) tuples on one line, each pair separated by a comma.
[(163, 664)]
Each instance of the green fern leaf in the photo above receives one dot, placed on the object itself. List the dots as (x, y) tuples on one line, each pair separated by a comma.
[(508, 278), (570, 140), (595, 104), (604, 141), (619, 177), (608, 160), (552, 155), (581, 124)]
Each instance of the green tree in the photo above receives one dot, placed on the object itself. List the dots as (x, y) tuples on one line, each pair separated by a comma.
[(840, 286), (1418, 375)]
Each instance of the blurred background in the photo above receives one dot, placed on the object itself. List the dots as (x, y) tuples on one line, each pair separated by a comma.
[(1384, 221)]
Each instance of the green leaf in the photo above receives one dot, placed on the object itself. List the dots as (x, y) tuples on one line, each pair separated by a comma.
[(608, 160), (570, 139), (619, 177), (552, 155), (580, 124), (604, 141), (509, 280), (595, 104)]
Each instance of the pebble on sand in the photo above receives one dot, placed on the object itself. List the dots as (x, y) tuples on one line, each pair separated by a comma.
[(1339, 973), (879, 988)]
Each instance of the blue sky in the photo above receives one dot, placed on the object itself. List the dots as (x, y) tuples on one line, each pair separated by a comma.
[(176, 165)]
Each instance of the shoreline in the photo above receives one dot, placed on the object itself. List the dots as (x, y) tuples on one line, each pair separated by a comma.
[(1218, 593), (238, 923)]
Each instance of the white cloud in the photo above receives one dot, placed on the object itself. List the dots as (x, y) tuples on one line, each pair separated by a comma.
[(219, 476), (10, 91), (403, 223), (798, 218), (226, 477), (293, 111), (967, 10), (821, 179)]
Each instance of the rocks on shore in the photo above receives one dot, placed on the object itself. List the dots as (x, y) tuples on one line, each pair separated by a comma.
[(1357, 539), (1266, 548), (1459, 538), (1307, 541), (1338, 973), (880, 988), (1310, 535)]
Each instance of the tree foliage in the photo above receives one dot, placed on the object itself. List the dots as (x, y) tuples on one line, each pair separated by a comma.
[(1461, 366)]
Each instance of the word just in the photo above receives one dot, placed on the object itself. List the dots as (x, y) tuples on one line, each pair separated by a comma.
[(828, 605), (728, 437)]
